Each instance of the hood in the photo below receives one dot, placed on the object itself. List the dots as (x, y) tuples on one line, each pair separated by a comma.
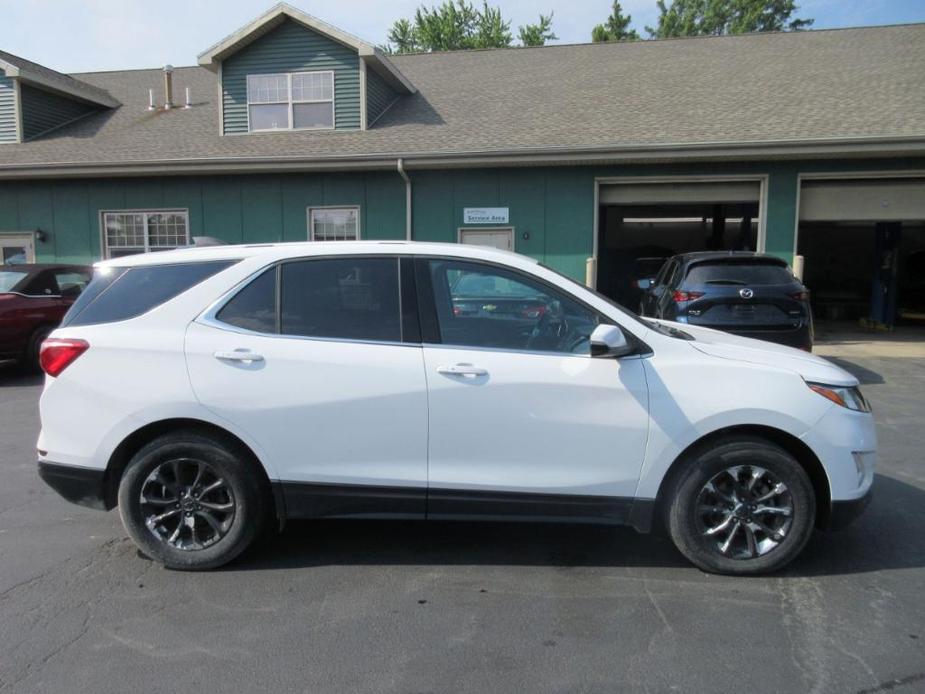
[(726, 346)]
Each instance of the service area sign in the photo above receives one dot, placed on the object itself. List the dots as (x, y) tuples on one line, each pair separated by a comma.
[(486, 215)]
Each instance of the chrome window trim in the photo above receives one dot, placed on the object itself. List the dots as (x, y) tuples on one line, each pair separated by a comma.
[(35, 296), (208, 316)]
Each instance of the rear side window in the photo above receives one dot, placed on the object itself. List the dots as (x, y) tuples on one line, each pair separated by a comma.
[(739, 274), (254, 307), (117, 294), (347, 298)]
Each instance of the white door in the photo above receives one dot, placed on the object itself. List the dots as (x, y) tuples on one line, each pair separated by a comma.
[(494, 238), (324, 385), (523, 421), (16, 249)]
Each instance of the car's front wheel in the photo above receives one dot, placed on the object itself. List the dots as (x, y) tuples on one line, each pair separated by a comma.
[(192, 501), (741, 506)]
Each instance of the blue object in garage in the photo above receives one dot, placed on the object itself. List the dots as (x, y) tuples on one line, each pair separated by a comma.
[(888, 236)]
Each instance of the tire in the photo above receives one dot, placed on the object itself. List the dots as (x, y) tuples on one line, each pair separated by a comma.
[(168, 471), (701, 518), (30, 358)]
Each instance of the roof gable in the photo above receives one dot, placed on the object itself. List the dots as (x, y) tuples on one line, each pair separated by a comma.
[(278, 14), (50, 80)]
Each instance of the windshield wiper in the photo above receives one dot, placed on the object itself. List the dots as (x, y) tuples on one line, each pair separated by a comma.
[(669, 331)]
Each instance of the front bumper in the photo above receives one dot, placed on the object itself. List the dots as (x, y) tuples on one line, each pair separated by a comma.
[(83, 486)]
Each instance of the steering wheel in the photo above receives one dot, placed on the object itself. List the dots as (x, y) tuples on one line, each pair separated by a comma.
[(551, 326)]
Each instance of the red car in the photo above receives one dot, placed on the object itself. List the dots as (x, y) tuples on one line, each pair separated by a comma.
[(33, 300)]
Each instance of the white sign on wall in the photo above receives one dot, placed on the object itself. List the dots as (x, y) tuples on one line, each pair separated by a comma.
[(486, 215)]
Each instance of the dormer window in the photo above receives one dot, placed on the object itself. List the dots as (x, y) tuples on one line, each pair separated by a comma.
[(291, 101)]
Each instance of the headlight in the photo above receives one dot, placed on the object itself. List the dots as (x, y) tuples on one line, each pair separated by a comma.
[(849, 397)]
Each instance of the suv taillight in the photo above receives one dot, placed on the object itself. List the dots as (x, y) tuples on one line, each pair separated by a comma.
[(680, 296), (56, 354)]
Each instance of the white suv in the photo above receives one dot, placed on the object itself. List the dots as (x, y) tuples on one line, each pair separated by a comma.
[(207, 391)]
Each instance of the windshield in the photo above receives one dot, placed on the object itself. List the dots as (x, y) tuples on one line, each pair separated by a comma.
[(9, 279), (645, 322)]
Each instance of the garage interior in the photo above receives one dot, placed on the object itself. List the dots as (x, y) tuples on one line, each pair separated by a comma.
[(863, 248), (641, 224)]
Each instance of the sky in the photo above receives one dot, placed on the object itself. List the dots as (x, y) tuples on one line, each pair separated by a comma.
[(91, 35)]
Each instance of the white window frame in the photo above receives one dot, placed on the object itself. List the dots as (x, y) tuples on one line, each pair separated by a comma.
[(104, 238), (291, 101), (319, 208), (463, 231)]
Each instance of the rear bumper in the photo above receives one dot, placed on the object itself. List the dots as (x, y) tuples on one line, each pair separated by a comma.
[(82, 486)]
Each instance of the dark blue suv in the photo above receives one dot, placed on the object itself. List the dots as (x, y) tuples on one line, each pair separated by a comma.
[(745, 293)]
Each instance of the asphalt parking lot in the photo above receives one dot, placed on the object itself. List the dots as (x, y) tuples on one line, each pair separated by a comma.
[(411, 607)]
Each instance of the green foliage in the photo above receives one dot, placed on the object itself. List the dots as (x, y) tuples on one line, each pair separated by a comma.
[(537, 34), (459, 25), (616, 28), (717, 17)]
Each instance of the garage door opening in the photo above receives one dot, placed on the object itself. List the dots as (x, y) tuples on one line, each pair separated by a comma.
[(863, 244), (640, 225)]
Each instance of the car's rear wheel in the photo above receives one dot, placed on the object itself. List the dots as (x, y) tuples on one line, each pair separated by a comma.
[(30, 358), (741, 506), (192, 501)]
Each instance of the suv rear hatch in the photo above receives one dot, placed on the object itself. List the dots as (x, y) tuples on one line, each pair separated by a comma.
[(750, 294)]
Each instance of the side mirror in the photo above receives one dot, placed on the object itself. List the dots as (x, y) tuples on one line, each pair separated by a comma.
[(609, 341)]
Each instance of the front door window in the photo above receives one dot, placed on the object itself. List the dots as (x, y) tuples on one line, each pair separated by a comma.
[(486, 306)]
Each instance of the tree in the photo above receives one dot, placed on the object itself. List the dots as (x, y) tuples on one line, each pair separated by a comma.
[(616, 28), (717, 17), (403, 38), (537, 34), (459, 25)]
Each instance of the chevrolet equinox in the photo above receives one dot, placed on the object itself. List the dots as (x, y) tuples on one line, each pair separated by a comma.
[(208, 392)]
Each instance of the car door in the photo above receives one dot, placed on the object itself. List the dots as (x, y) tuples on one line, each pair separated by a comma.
[(663, 297), (523, 421), (320, 363), (650, 299)]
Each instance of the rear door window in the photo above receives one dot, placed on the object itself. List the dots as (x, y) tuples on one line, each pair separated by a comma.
[(117, 294), (739, 274), (342, 298)]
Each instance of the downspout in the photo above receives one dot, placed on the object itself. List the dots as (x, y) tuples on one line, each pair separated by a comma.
[(401, 172)]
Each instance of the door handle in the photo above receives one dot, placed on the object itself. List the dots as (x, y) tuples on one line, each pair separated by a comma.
[(239, 355), (461, 370)]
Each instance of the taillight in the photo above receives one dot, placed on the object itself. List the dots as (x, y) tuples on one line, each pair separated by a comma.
[(56, 354), (800, 296), (680, 296), (533, 312)]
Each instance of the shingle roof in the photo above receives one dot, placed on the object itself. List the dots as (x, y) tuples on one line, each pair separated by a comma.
[(837, 87), (49, 78)]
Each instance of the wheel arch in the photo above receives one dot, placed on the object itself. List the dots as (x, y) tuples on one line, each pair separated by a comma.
[(135, 441), (804, 455)]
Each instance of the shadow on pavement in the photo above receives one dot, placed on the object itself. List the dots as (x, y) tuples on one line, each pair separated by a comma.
[(13, 376), (865, 376), (887, 536)]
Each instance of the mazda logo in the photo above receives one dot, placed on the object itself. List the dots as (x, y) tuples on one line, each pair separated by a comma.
[(746, 293)]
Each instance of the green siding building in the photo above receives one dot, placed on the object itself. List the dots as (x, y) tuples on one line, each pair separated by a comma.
[(585, 157)]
